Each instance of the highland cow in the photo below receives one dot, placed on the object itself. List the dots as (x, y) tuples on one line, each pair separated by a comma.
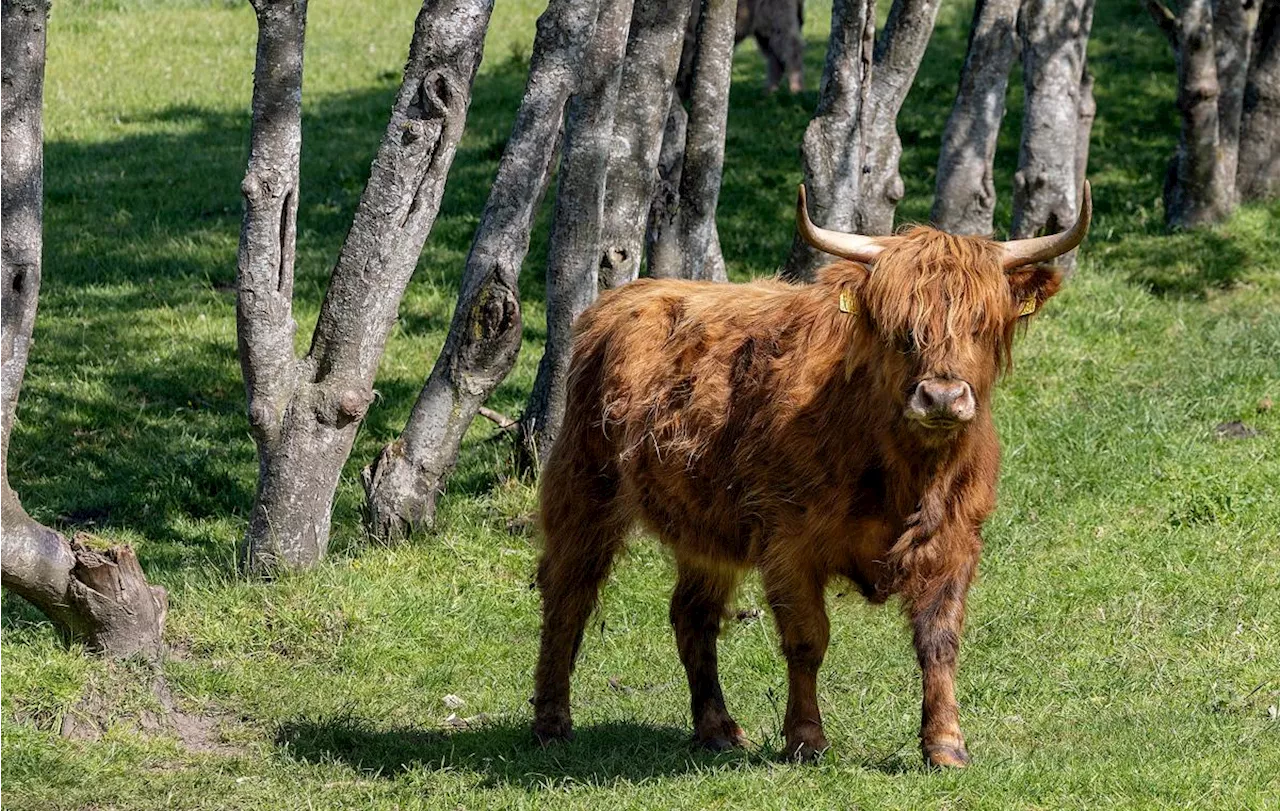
[(777, 27), (835, 429)]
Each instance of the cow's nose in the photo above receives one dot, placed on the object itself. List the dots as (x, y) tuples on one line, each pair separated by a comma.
[(943, 398)]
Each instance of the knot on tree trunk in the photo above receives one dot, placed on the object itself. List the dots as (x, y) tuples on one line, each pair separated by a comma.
[(493, 330), (260, 186)]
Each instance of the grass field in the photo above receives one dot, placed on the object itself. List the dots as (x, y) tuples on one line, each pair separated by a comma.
[(1124, 640)]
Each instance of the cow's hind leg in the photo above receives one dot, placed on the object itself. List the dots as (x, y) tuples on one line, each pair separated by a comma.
[(799, 608), (937, 618), (584, 530), (697, 607)]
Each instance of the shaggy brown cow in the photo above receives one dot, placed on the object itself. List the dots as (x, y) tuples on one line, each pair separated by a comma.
[(841, 428)]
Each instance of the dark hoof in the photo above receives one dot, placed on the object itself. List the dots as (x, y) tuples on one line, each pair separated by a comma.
[(807, 746), (946, 756), (723, 740), (547, 731)]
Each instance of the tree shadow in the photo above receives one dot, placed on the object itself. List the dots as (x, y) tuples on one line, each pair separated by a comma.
[(131, 420), (505, 753)]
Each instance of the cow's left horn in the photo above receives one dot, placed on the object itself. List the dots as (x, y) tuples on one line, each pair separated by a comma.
[(1021, 252), (854, 247)]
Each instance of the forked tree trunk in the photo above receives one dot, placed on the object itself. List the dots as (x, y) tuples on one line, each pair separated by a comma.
[(899, 49), (1046, 187), (98, 597), (965, 199), (662, 232), (574, 252), (654, 44), (832, 149), (1258, 174), (304, 412), (704, 142), (484, 337)]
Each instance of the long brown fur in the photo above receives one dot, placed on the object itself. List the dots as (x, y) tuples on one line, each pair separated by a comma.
[(759, 425)]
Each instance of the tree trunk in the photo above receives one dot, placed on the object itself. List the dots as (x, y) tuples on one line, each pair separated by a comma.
[(1046, 187), (648, 72), (575, 252), (484, 337), (1197, 191), (832, 148), (100, 598), (1233, 22), (662, 233), (704, 142), (965, 200), (898, 52), (1258, 175), (304, 412)]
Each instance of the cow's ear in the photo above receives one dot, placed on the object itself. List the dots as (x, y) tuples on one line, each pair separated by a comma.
[(1033, 286)]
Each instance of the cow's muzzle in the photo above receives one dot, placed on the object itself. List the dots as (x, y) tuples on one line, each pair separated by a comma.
[(941, 402)]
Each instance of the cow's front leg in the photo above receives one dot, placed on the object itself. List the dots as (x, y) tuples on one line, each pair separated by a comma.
[(937, 618), (798, 606)]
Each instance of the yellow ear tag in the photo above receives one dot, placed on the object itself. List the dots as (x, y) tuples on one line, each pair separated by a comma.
[(1028, 307), (846, 302)]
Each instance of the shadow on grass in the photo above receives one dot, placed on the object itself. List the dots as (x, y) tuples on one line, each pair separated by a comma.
[(505, 752), (1183, 265), (132, 416)]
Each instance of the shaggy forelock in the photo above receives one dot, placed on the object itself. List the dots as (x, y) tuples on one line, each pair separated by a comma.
[(937, 288)]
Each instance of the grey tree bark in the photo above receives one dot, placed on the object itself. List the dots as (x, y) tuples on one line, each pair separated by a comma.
[(662, 231), (1258, 173), (832, 149), (704, 143), (1233, 22), (304, 412), (965, 199), (574, 255), (1047, 185), (654, 45), (898, 51), (403, 482), (96, 596), (1197, 189)]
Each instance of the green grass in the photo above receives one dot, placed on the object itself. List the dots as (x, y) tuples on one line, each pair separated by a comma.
[(1124, 640)]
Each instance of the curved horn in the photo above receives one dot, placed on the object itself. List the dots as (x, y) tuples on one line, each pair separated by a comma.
[(853, 247), (1019, 252)]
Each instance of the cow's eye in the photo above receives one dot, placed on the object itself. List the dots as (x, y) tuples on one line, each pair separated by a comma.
[(906, 343)]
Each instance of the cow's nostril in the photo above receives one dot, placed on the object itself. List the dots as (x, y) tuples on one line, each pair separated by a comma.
[(942, 398)]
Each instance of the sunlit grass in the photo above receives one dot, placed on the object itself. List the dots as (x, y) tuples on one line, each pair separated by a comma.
[(1123, 639)]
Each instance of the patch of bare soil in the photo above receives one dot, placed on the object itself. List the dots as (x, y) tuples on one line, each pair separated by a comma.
[(138, 699)]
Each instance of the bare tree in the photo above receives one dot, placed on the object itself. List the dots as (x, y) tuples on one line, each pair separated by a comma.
[(832, 148), (704, 142), (484, 337), (304, 412), (899, 49), (573, 257), (1258, 174), (965, 199), (96, 596), (653, 54), (1047, 185)]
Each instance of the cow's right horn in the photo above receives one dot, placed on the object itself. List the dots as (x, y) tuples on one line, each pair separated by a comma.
[(1019, 252), (853, 247)]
